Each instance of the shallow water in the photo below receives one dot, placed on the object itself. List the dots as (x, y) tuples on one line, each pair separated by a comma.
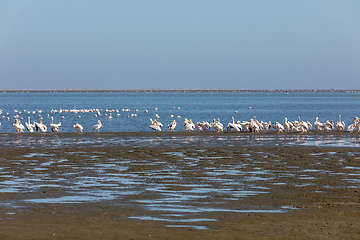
[(199, 107), (49, 140)]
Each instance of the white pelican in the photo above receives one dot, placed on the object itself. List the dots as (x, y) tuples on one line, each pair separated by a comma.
[(40, 126), (198, 126), (217, 125), (261, 127), (266, 125), (253, 126), (318, 125), (279, 127), (18, 126), (155, 125), (287, 125), (172, 126), (78, 127), (54, 127), (189, 125), (203, 126), (340, 126), (237, 127), (97, 126), (302, 127), (30, 127), (245, 125), (328, 126)]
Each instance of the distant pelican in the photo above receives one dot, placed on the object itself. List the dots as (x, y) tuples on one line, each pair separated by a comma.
[(97, 126), (18, 126), (40, 126), (318, 125), (155, 125), (217, 125), (287, 125), (261, 127), (30, 127), (198, 126), (340, 126), (266, 125), (54, 127), (328, 126), (172, 126), (189, 125), (279, 127), (233, 125), (78, 127)]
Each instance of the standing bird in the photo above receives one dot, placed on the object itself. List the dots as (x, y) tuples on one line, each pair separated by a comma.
[(97, 126), (287, 125), (54, 127), (318, 125), (340, 125), (172, 126), (155, 125), (40, 126), (30, 127), (217, 125), (237, 127), (78, 127), (189, 125), (279, 127), (18, 126)]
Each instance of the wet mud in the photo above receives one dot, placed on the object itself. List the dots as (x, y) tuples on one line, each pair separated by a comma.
[(179, 186)]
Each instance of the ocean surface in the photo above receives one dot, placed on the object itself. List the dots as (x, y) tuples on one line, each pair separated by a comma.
[(199, 107)]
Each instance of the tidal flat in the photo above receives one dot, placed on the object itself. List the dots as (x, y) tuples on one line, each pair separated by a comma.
[(179, 186)]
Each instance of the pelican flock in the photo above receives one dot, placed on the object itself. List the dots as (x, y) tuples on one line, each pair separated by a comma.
[(252, 125)]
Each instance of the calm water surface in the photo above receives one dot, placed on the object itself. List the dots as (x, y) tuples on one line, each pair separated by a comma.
[(196, 106)]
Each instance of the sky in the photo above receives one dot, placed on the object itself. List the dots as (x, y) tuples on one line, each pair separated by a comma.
[(200, 44)]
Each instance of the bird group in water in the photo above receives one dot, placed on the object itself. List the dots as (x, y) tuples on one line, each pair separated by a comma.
[(253, 125)]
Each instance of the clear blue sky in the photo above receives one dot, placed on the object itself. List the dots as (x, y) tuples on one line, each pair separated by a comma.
[(204, 44)]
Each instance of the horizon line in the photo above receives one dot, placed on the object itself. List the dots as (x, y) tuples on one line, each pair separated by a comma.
[(178, 90)]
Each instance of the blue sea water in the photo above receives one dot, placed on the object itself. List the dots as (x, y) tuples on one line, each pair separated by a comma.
[(199, 107)]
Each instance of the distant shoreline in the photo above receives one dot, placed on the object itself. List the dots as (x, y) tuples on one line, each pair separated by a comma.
[(174, 91)]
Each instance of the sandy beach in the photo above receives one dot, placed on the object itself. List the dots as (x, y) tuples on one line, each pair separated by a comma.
[(153, 189)]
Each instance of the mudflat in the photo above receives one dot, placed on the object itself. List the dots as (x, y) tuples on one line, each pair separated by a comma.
[(96, 189)]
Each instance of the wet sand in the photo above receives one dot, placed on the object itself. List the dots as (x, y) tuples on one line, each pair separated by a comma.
[(156, 190)]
